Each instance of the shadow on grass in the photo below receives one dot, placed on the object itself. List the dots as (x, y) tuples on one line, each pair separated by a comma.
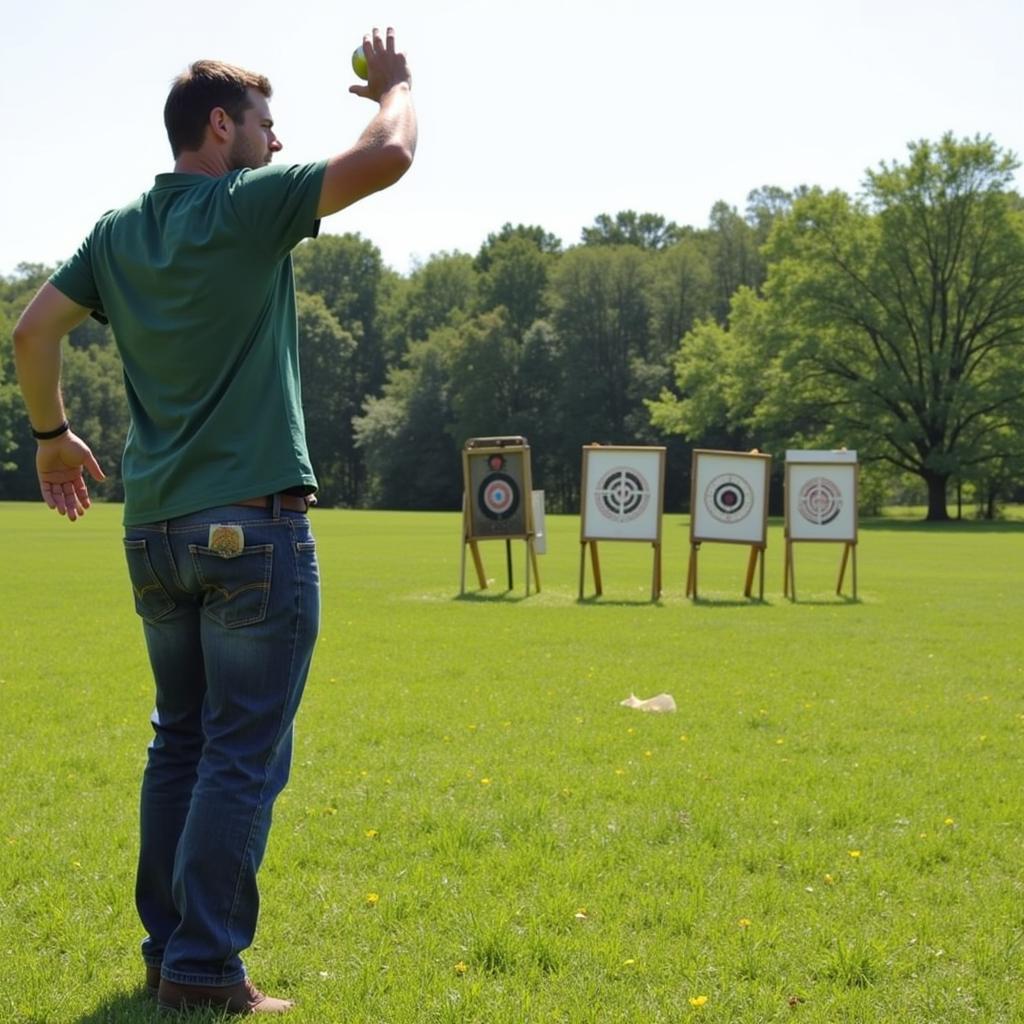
[(130, 1008), (140, 1008), (960, 527), (600, 601), (730, 602), (491, 596)]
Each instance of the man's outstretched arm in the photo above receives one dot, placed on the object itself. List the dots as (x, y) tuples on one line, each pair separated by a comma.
[(385, 150), (37, 357)]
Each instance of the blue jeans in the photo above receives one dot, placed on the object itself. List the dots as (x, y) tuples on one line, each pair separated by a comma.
[(230, 617)]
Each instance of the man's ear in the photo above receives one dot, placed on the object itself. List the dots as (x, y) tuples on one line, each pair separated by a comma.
[(220, 124)]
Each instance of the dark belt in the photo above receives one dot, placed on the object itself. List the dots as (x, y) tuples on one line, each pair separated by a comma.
[(291, 502)]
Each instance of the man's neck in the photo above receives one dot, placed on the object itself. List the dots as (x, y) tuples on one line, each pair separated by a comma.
[(201, 161)]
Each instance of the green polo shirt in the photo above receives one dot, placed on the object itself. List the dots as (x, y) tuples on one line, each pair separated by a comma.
[(195, 278)]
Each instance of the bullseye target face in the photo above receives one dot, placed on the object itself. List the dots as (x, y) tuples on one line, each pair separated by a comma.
[(820, 501), (498, 496), (622, 494), (497, 492), (729, 496)]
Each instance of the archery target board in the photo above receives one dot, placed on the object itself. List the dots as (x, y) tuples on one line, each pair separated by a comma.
[(729, 497), (498, 492), (621, 493), (821, 496)]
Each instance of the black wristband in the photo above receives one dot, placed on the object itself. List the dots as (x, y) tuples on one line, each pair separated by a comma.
[(49, 435)]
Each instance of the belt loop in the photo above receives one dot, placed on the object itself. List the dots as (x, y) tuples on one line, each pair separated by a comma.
[(276, 504)]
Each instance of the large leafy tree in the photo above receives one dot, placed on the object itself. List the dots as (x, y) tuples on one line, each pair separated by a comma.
[(405, 433), (906, 311), (514, 275), (326, 356), (627, 227)]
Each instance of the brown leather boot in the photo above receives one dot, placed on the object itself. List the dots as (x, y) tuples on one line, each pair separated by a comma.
[(242, 998), (152, 980)]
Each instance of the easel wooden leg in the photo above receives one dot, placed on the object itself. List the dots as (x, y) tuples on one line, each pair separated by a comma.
[(691, 572), (480, 577), (760, 588), (656, 576), (508, 561), (751, 566), (848, 548), (583, 565), (462, 569), (842, 568), (789, 581), (595, 564), (531, 559)]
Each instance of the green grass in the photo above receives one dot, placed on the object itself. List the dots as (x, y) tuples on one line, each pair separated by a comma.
[(828, 830)]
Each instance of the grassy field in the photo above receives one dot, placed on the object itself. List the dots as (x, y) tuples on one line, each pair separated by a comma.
[(829, 829)]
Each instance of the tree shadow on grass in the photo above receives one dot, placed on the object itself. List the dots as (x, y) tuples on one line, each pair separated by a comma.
[(960, 527)]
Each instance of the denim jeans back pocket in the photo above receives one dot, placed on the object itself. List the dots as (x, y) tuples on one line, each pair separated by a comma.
[(237, 587), (152, 602)]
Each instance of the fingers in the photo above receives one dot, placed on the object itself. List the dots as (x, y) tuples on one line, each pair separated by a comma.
[(94, 468), (374, 45), (68, 496)]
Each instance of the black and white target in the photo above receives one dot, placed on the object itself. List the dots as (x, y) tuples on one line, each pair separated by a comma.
[(729, 498), (820, 501), (498, 496), (622, 494)]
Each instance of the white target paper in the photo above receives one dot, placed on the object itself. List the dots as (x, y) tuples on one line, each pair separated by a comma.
[(729, 497), (821, 501), (622, 493)]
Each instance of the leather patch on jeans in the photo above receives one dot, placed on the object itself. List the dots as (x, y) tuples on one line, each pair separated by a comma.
[(227, 541)]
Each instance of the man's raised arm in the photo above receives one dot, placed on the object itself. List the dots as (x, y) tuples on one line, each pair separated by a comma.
[(384, 151)]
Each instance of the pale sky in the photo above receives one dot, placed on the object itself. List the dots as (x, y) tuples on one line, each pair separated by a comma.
[(533, 112)]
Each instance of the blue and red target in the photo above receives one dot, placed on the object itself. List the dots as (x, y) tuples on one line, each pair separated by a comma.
[(497, 495)]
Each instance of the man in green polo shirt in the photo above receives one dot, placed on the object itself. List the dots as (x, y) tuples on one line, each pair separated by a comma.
[(195, 279)]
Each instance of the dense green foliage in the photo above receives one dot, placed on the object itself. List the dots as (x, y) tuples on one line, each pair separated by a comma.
[(892, 323)]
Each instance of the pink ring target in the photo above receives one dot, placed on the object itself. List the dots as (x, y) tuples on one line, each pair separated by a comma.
[(820, 501)]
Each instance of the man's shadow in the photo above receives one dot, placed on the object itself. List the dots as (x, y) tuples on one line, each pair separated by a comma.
[(139, 1007)]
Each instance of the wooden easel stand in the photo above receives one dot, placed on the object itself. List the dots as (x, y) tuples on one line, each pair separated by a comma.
[(595, 564), (789, 574)]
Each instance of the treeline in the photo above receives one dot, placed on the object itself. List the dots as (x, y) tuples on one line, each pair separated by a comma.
[(892, 323)]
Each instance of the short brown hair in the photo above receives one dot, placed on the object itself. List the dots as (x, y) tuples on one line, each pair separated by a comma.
[(195, 92)]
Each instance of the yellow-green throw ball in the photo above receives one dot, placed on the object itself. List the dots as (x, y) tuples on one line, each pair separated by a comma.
[(359, 63)]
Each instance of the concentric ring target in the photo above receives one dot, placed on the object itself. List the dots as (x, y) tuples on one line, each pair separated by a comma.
[(498, 496), (820, 500), (622, 494), (729, 498)]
